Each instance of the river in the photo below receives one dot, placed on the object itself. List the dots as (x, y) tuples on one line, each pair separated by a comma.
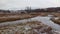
[(44, 20)]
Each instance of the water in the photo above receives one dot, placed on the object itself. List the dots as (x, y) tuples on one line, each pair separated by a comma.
[(47, 21), (44, 20)]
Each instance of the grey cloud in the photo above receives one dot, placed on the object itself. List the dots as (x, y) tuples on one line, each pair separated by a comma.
[(20, 4)]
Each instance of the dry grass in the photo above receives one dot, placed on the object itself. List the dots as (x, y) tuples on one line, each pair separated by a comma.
[(57, 21), (26, 28), (56, 14), (39, 13), (14, 17), (5, 18), (33, 27)]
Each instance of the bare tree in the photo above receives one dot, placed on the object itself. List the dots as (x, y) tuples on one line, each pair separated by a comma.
[(28, 9)]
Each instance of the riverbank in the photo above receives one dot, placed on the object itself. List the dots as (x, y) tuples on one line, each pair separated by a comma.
[(44, 20), (32, 27)]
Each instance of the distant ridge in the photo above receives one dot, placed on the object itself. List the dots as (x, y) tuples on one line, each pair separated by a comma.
[(51, 9)]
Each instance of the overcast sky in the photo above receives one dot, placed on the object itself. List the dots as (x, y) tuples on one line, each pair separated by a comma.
[(21, 4)]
